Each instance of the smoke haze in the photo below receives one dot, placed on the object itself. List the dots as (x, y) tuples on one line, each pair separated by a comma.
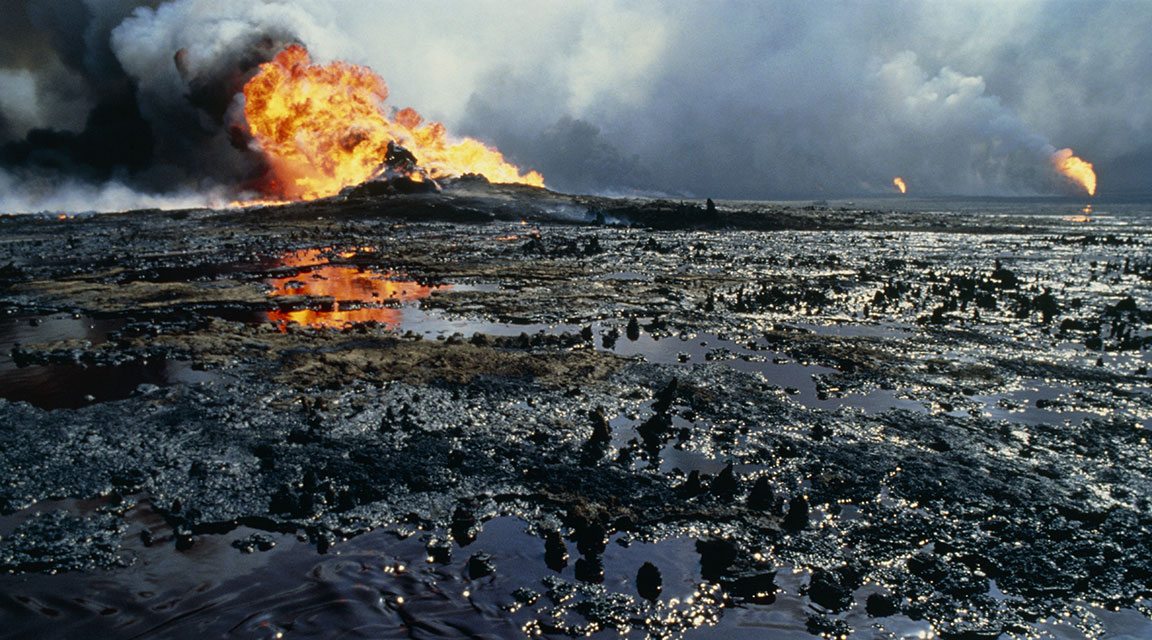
[(108, 104)]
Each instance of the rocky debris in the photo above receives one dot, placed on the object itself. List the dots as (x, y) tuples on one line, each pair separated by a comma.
[(761, 497), (725, 484), (62, 541), (480, 565), (825, 589), (555, 551), (254, 542), (798, 349), (879, 605), (464, 526), (797, 516), (716, 556), (601, 430), (439, 551)]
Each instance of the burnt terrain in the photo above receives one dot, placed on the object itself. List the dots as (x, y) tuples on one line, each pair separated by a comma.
[(501, 411)]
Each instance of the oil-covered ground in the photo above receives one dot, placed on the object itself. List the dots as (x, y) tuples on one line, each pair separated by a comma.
[(500, 412)]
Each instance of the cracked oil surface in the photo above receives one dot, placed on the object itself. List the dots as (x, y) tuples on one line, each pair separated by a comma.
[(804, 420)]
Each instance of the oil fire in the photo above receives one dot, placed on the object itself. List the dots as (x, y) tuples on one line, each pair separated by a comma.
[(900, 184), (357, 295), (1075, 169), (324, 127)]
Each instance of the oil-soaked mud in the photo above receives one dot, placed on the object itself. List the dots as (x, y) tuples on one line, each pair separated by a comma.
[(504, 412)]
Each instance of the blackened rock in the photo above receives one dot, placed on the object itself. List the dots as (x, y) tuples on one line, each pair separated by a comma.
[(130, 479), (601, 429), (463, 528), (590, 570), (725, 484), (666, 396), (1004, 278), (692, 486), (455, 459), (649, 582), (311, 481), (819, 624), (480, 565), (184, 539), (928, 567), (633, 329), (592, 540), (761, 497), (879, 605), (323, 542), (555, 551), (1047, 305), (254, 542), (526, 596), (284, 501), (716, 555), (797, 517), (655, 428), (825, 590), (609, 339), (440, 551), (302, 436), (306, 506)]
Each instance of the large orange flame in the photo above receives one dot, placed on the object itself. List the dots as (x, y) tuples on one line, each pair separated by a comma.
[(324, 127), (1075, 169), (899, 182)]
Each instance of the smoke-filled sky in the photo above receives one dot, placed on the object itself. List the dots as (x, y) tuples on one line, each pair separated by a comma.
[(108, 104)]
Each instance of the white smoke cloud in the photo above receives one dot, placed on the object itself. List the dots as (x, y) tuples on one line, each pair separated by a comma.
[(770, 98), (19, 101), (31, 194)]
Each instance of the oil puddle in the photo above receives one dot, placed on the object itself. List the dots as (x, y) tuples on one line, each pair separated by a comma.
[(496, 578), (1038, 402), (73, 385), (341, 295), (667, 454), (857, 329), (797, 379), (24, 329), (496, 582)]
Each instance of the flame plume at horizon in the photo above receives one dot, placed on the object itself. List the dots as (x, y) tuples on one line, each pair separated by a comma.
[(324, 127), (900, 184), (1076, 170)]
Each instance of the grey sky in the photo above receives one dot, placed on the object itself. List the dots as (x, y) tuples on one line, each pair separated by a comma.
[(728, 98)]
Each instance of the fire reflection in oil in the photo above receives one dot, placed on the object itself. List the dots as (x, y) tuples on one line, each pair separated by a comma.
[(1085, 215), (347, 294)]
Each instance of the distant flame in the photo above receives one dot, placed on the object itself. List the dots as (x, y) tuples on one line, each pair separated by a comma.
[(1075, 169), (900, 184), (323, 128)]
